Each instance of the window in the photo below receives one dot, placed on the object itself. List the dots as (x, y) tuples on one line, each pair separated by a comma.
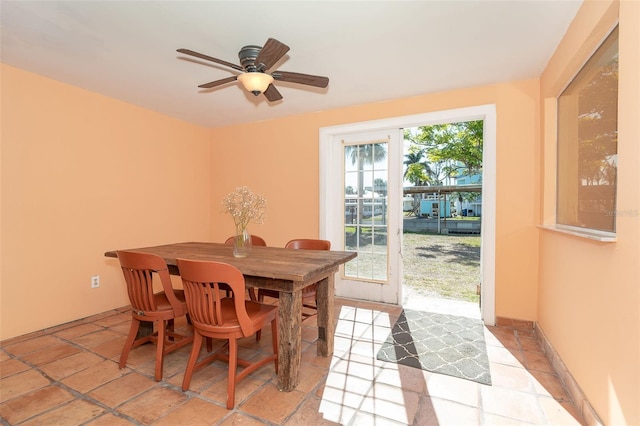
[(366, 213), (588, 143)]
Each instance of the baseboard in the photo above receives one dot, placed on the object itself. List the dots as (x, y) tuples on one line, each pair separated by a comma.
[(514, 323), (580, 400)]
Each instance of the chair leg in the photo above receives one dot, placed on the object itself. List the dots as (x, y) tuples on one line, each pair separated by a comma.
[(309, 306), (128, 344), (260, 298), (253, 294), (162, 332), (231, 378), (171, 328), (274, 341), (195, 350)]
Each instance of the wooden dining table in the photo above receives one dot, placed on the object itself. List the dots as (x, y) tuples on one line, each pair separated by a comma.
[(285, 270)]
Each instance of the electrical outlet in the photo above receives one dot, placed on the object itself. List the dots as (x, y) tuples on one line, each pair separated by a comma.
[(95, 281)]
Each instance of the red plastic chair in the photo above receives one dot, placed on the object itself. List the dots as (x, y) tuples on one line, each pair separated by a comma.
[(308, 244), (160, 308), (228, 318), (309, 293), (255, 241)]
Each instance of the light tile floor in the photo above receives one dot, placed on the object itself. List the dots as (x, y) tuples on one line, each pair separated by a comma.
[(68, 375)]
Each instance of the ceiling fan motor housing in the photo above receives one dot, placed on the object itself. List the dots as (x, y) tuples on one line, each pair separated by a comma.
[(248, 55)]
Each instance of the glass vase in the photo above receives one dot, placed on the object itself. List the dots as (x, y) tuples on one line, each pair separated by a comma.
[(242, 243)]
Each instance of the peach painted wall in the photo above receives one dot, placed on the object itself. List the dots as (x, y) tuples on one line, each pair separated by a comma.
[(83, 174), (71, 160), (589, 303), (279, 159)]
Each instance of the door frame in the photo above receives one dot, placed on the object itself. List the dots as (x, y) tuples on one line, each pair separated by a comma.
[(487, 113), (388, 290)]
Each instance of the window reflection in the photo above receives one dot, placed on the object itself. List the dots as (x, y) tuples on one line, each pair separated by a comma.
[(588, 143), (365, 210)]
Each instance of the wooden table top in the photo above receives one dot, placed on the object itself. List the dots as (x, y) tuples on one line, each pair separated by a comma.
[(264, 262)]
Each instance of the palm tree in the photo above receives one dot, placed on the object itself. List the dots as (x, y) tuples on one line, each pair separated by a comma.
[(419, 167), (417, 171), (413, 157), (362, 155)]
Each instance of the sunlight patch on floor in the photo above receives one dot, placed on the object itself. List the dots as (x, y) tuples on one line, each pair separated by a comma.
[(360, 389), (352, 392)]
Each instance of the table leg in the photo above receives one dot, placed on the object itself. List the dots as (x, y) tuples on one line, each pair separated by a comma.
[(326, 315), (289, 340)]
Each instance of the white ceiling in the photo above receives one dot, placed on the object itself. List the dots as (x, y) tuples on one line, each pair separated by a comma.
[(371, 51)]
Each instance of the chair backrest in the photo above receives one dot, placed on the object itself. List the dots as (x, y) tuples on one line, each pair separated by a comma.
[(309, 244), (138, 270), (255, 241), (205, 284)]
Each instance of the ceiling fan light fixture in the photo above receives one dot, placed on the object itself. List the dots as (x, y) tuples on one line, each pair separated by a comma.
[(255, 82)]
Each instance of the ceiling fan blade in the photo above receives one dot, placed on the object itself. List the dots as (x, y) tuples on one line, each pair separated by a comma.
[(218, 82), (296, 77), (209, 58), (270, 53), (272, 94)]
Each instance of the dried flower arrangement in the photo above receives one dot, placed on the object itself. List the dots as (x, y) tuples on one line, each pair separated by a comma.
[(244, 206)]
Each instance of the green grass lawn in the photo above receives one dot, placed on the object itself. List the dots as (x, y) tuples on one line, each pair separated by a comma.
[(445, 266)]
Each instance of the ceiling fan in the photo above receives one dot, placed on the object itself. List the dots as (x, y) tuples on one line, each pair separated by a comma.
[(255, 61)]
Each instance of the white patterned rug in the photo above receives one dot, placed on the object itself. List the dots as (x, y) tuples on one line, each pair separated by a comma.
[(444, 344)]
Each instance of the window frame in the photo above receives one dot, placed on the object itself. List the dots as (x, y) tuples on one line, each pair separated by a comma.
[(583, 231)]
